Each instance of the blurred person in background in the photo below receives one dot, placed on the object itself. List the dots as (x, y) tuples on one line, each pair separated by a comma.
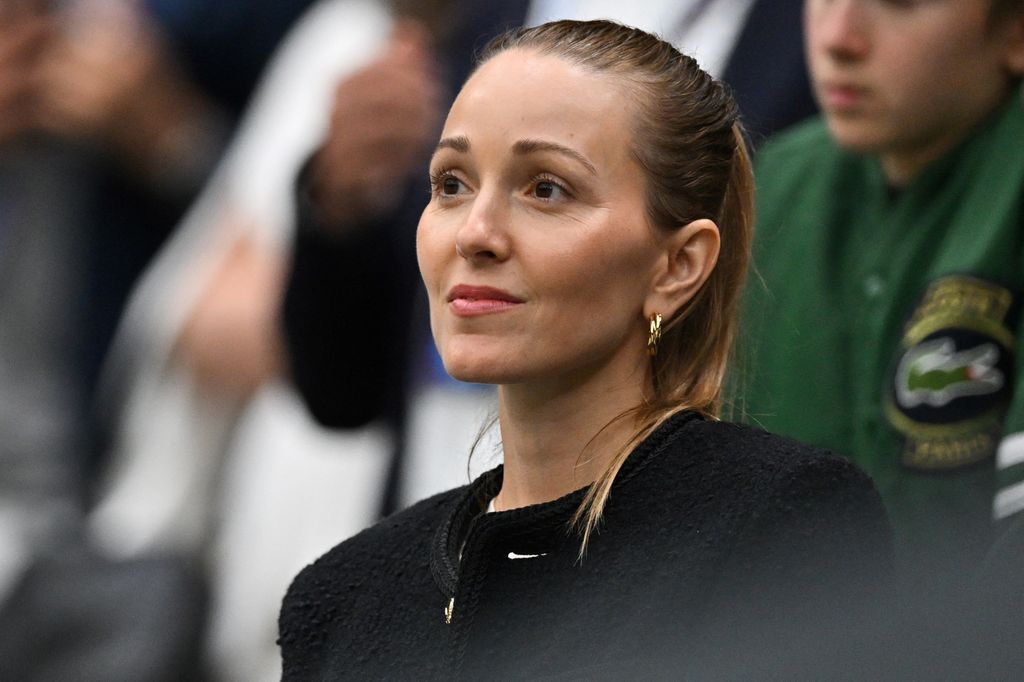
[(111, 115), (147, 94), (888, 327), (40, 401), (212, 455)]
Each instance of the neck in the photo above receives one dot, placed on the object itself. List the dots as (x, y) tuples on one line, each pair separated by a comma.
[(557, 439), (902, 165)]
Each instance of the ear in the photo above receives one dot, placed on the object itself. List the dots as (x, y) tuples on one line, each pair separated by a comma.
[(689, 257), (1014, 58)]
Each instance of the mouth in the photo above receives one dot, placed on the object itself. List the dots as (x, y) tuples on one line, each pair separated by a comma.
[(468, 301), (840, 97)]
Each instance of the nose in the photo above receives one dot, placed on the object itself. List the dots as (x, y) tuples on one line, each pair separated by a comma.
[(839, 28), (483, 237)]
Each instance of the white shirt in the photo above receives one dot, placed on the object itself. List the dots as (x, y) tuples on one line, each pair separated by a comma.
[(704, 29)]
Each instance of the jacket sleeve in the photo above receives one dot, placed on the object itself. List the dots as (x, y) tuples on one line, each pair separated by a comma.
[(1008, 501), (347, 314)]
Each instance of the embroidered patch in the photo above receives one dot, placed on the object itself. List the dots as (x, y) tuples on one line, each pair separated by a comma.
[(951, 384)]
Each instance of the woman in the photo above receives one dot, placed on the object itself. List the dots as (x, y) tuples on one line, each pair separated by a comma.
[(584, 247)]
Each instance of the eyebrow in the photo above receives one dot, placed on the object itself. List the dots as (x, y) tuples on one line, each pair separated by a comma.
[(521, 148), (524, 147), (459, 144)]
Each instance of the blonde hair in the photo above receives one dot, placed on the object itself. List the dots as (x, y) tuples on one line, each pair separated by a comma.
[(690, 145)]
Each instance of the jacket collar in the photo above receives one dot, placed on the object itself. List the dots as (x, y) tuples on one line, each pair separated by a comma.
[(533, 528)]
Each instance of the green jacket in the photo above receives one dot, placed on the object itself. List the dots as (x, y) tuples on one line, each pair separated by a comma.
[(885, 325)]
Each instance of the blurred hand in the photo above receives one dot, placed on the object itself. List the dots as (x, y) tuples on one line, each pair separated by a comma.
[(109, 78), (384, 119), (230, 340), (24, 31)]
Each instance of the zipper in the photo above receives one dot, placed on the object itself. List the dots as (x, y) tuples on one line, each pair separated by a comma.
[(449, 611)]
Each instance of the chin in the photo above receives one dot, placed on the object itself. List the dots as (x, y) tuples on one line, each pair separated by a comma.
[(481, 358), (476, 373), (856, 135), (473, 366)]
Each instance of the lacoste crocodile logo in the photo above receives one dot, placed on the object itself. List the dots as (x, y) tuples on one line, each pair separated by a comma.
[(951, 383), (934, 373)]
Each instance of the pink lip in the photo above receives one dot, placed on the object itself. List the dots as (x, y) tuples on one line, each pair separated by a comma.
[(842, 97), (468, 301)]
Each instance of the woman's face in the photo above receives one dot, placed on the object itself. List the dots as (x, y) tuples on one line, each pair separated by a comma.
[(535, 247)]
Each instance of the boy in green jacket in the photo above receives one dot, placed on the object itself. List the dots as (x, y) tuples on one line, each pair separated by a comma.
[(886, 323)]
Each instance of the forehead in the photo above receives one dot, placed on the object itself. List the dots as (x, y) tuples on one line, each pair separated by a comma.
[(524, 93)]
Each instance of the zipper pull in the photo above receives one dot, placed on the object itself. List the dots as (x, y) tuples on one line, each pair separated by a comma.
[(449, 611)]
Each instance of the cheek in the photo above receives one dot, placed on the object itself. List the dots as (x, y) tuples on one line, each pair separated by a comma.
[(430, 254), (605, 280), (430, 250), (941, 58), (813, 50)]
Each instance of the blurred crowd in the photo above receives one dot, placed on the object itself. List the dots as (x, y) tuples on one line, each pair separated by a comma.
[(215, 363)]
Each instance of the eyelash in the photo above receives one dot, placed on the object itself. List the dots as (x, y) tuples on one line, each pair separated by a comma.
[(544, 177), (438, 178)]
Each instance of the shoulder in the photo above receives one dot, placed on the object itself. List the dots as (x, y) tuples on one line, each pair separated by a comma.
[(807, 140), (752, 447), (327, 596), (800, 491), (798, 508), (797, 173), (801, 538), (412, 526), (409, 530), (770, 471), (796, 160)]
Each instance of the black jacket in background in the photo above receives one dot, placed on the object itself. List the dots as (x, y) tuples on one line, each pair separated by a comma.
[(723, 550)]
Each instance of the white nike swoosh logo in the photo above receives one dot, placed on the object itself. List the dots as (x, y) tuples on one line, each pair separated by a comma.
[(513, 555)]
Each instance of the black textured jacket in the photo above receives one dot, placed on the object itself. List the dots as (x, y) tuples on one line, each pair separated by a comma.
[(723, 551)]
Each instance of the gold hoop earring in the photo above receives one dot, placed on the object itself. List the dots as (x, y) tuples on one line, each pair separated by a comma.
[(655, 335)]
